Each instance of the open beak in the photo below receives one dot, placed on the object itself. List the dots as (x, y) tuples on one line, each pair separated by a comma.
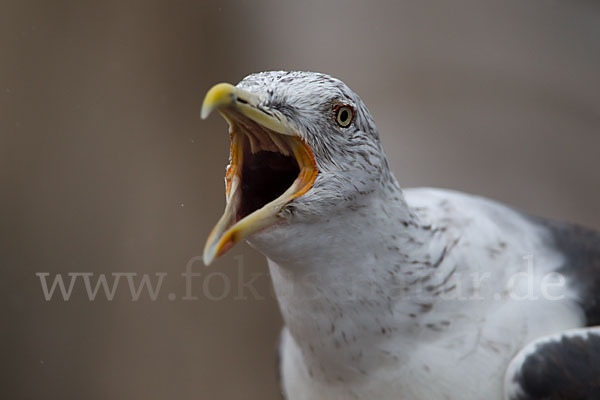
[(270, 165)]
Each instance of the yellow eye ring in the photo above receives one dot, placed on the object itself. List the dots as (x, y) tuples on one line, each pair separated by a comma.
[(344, 115)]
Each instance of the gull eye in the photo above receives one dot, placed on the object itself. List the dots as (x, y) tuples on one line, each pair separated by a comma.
[(344, 115)]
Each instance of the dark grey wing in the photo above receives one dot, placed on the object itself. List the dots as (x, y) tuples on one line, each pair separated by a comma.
[(581, 249), (565, 366)]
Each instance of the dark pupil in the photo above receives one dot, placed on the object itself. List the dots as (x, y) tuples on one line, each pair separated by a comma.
[(344, 116)]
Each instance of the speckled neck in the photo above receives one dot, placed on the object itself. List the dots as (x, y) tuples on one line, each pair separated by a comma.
[(346, 286)]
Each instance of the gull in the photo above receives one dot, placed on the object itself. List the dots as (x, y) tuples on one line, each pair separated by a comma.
[(391, 293)]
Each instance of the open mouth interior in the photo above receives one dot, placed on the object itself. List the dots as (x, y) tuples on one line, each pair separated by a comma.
[(265, 175), (267, 168), (270, 166)]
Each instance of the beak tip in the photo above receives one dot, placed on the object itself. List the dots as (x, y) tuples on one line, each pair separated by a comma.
[(220, 95), (208, 257), (205, 112)]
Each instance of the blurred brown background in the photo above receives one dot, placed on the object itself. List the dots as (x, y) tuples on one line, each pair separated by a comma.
[(106, 166)]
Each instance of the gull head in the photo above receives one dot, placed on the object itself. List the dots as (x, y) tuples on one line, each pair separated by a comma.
[(303, 147)]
